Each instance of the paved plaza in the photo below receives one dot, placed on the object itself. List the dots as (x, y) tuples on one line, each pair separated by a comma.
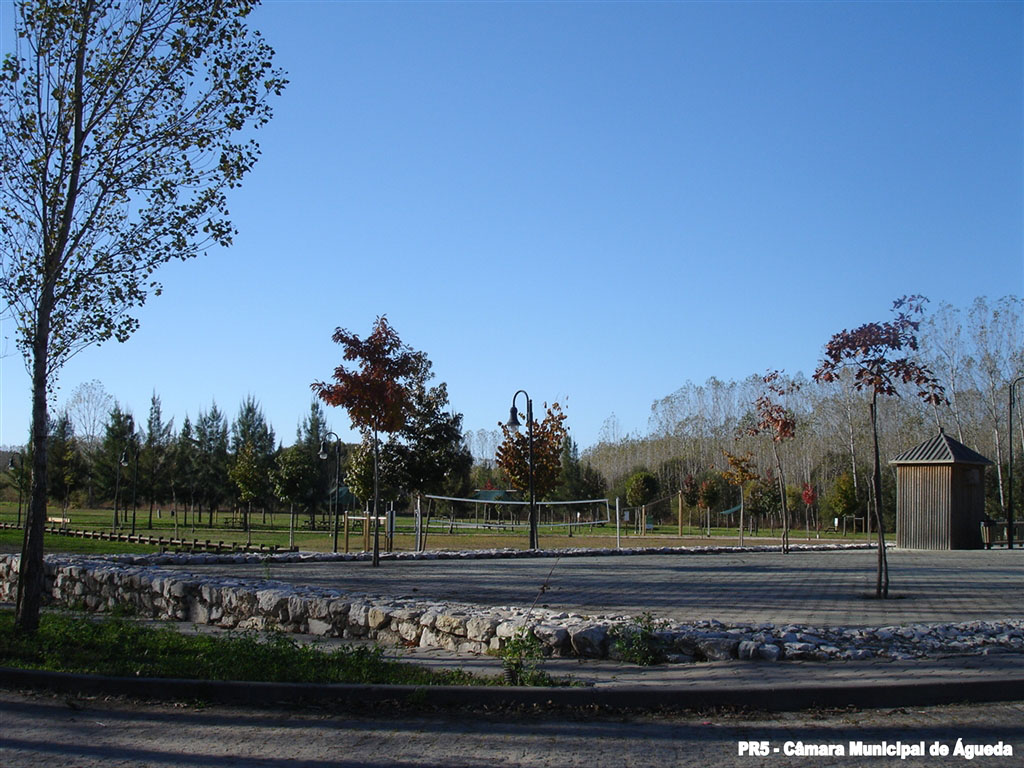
[(831, 588)]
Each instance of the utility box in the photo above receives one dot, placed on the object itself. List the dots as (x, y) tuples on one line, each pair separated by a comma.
[(940, 495)]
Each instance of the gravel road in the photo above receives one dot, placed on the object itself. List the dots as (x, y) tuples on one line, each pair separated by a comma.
[(43, 729)]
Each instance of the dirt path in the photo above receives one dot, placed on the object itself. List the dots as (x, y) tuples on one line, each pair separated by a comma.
[(41, 729)]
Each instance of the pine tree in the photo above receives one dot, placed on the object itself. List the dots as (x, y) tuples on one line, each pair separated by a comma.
[(156, 458)]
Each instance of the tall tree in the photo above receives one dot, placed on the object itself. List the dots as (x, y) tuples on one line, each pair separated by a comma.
[(116, 451), (741, 471), (66, 467), (117, 145), (435, 456), (295, 472), (214, 484), (310, 436), (89, 407), (377, 394), (185, 479), (778, 422), (156, 455), (880, 355), (250, 428)]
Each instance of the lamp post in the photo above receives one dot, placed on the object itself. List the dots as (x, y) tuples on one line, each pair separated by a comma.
[(513, 422), (337, 479), (135, 485), (18, 477), (121, 462), (1009, 506)]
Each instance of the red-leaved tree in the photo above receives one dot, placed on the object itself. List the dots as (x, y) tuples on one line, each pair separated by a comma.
[(777, 422), (377, 393), (880, 357)]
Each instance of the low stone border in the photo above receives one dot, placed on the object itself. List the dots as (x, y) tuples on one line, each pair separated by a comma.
[(140, 585)]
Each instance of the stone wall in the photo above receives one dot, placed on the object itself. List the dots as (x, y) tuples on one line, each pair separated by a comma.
[(139, 586)]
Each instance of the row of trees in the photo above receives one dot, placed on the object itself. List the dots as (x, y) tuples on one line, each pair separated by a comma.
[(973, 354), (209, 464)]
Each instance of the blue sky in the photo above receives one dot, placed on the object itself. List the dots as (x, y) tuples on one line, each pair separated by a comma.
[(592, 201)]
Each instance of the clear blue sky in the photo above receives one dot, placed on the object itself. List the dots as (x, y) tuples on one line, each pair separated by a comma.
[(592, 201)]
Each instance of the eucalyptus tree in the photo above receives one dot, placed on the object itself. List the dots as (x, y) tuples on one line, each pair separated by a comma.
[(118, 143)]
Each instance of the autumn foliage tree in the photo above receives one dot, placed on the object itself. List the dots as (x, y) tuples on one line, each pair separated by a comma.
[(776, 421), (741, 471), (377, 393), (880, 356), (548, 436)]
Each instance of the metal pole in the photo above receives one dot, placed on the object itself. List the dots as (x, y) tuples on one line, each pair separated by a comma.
[(618, 525), (135, 487), (1009, 505), (337, 489), (534, 523), (419, 523), (376, 503)]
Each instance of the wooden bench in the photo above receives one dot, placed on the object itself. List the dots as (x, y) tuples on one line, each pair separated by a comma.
[(60, 521)]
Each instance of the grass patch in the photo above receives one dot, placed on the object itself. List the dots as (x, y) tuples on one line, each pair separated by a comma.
[(119, 647), (11, 540), (274, 532)]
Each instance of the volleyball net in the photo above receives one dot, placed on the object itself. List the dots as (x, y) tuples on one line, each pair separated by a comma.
[(453, 512)]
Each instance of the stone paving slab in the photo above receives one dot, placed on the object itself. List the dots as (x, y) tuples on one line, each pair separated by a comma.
[(821, 589)]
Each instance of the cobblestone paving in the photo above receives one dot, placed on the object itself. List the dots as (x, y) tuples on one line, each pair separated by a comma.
[(816, 588), (40, 729)]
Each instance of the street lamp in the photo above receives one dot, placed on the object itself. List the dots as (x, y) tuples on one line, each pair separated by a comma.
[(122, 462), (513, 423), (135, 485), (19, 478), (1009, 506), (337, 475)]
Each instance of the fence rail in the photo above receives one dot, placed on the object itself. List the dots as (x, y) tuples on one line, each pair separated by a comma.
[(164, 542)]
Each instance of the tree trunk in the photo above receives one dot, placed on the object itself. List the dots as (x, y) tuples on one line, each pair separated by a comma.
[(882, 577), (31, 575)]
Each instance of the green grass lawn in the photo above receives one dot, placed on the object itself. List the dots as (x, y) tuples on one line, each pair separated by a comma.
[(120, 647), (273, 531)]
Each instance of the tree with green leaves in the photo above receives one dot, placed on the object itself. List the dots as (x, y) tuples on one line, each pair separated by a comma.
[(311, 435), (213, 481), (641, 488), (251, 480), (391, 470), (185, 478), (708, 496), (156, 456), (114, 457), (436, 459), (741, 471), (880, 356), (118, 142), (378, 393), (250, 428), (841, 498), (577, 479), (66, 468), (295, 472)]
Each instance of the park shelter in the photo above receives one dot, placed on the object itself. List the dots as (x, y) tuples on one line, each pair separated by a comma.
[(940, 495)]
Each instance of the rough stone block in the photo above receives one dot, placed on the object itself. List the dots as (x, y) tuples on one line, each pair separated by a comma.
[(590, 642)]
